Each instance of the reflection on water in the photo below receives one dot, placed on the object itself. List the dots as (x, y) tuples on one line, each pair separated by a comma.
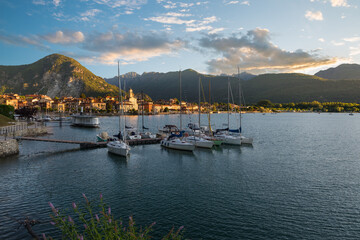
[(299, 181)]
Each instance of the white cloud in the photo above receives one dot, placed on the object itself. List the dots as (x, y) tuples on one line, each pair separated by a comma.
[(354, 51), (216, 30), (317, 16), (245, 3), (337, 43), (232, 2), (339, 3), (56, 2), (38, 2), (321, 40), (89, 14), (66, 37), (352, 39), (121, 3)]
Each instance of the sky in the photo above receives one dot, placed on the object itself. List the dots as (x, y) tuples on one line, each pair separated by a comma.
[(214, 37)]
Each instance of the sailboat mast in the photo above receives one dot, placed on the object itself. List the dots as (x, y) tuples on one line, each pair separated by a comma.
[(142, 109), (210, 106), (239, 99), (228, 102), (180, 99), (199, 100), (119, 95)]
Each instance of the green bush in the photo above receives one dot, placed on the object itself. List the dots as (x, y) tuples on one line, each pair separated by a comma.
[(95, 221), (7, 111)]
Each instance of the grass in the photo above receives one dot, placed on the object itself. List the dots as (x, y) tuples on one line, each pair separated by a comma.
[(4, 121)]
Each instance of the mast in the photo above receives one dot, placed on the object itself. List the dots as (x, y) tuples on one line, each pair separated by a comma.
[(210, 107), (124, 99), (228, 100), (239, 98), (180, 100), (120, 97), (199, 101), (142, 109)]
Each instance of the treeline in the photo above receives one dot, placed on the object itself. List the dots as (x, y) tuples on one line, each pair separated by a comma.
[(314, 106)]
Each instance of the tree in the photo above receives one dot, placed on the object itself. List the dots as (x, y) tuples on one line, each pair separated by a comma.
[(83, 95), (7, 111), (265, 103)]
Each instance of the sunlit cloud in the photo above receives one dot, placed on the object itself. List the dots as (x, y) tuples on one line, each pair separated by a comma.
[(321, 40), (256, 53), (337, 43), (245, 3), (352, 39), (314, 16), (89, 14), (56, 2), (67, 37)]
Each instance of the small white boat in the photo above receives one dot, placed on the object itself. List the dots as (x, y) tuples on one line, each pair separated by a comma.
[(199, 142), (119, 148), (177, 143), (228, 139), (147, 135)]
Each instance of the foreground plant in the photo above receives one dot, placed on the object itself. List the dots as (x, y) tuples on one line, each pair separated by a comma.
[(95, 221)]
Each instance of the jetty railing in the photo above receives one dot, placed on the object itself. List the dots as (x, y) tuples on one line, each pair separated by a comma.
[(18, 127)]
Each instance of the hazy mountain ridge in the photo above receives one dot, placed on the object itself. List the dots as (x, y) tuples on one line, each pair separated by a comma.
[(54, 75), (341, 72)]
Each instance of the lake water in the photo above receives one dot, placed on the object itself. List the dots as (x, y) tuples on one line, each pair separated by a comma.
[(300, 180)]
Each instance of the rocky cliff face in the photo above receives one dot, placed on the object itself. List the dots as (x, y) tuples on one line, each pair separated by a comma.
[(54, 75)]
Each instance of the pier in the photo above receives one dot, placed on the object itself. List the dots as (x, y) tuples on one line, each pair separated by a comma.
[(83, 144), (87, 145)]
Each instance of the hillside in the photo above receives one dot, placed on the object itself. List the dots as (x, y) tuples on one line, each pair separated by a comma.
[(281, 88), (166, 85), (54, 75), (341, 72), (5, 121)]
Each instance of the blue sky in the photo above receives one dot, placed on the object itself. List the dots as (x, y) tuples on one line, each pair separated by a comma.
[(260, 36)]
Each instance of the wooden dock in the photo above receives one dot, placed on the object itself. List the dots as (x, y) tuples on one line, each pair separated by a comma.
[(85, 145)]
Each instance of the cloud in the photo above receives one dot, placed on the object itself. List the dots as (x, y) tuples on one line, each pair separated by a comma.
[(352, 39), (337, 43), (56, 2), (121, 3), (67, 37), (317, 16), (321, 40), (20, 40), (38, 2), (354, 51), (89, 14), (254, 52), (192, 25), (129, 46), (339, 3), (245, 3), (232, 2)]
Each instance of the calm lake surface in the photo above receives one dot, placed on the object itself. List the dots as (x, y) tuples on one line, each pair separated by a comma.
[(300, 180)]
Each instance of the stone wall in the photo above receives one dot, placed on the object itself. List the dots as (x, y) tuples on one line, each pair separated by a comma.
[(8, 148)]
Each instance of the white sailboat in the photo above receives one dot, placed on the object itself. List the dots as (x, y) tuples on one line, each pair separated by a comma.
[(244, 140), (174, 141), (119, 147), (223, 134), (199, 141)]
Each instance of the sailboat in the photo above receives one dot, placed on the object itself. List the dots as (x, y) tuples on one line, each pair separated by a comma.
[(119, 147), (175, 141), (199, 141), (237, 132), (144, 134)]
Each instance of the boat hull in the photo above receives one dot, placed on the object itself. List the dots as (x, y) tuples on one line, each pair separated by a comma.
[(120, 149), (183, 146)]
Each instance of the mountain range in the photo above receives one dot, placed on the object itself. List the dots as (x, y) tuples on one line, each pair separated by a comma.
[(58, 75)]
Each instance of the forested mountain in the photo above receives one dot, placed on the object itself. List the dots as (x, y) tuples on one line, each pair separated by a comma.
[(54, 75)]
